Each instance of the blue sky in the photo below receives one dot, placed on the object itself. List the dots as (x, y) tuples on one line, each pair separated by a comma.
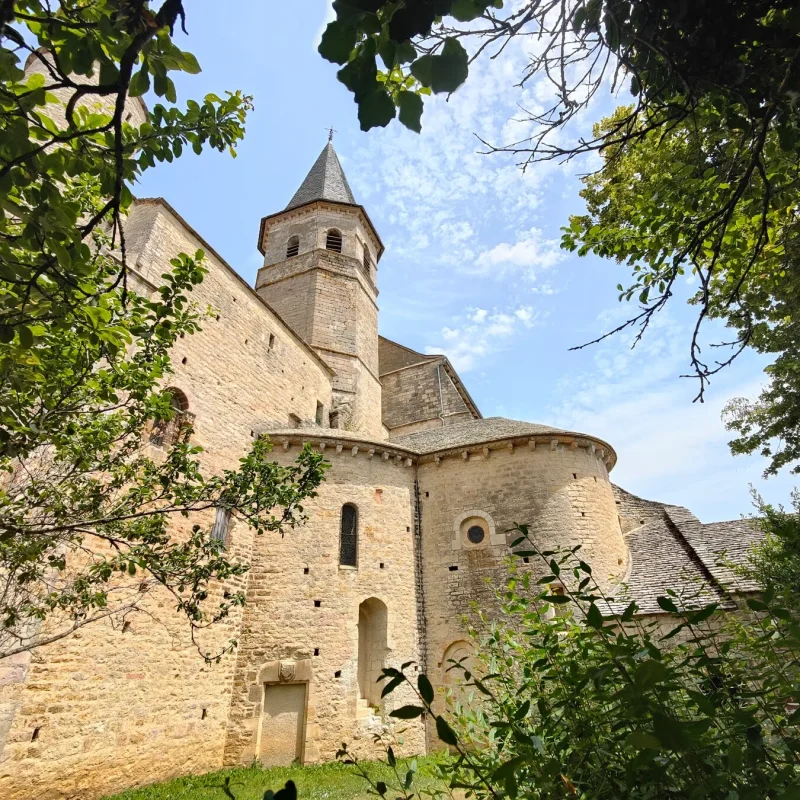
[(472, 264)]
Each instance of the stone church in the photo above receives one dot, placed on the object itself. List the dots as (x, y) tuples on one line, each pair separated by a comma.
[(408, 530)]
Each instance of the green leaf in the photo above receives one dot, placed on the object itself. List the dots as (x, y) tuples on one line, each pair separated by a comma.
[(140, 83), (388, 52), (450, 69), (422, 69), (703, 614), (667, 604), (405, 53), (190, 64), (466, 10), (640, 740), (25, 337), (445, 732), (376, 110), (410, 105), (407, 712), (380, 787), (670, 732), (390, 757), (338, 42), (649, 673), (506, 770), (425, 688), (392, 685), (593, 617)]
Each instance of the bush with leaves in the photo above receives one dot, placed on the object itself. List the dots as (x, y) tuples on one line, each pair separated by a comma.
[(91, 518), (594, 702)]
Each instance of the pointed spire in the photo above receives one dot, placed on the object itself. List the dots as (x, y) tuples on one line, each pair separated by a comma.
[(325, 181)]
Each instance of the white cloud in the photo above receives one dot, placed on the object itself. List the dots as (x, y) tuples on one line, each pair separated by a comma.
[(670, 449), (480, 333), (530, 253)]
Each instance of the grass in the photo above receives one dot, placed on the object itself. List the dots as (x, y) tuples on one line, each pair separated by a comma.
[(332, 781)]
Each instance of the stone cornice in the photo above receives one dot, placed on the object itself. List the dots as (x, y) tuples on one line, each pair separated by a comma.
[(347, 442)]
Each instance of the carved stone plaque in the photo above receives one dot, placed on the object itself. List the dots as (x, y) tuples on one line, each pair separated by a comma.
[(288, 671)]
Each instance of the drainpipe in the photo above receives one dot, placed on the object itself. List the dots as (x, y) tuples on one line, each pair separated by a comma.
[(441, 399)]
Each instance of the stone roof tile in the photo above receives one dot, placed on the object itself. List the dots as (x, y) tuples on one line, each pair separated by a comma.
[(325, 181), (475, 431)]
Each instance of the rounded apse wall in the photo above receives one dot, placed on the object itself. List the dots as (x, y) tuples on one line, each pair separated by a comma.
[(563, 493)]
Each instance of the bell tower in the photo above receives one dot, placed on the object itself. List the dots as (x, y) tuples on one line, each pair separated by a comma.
[(320, 273)]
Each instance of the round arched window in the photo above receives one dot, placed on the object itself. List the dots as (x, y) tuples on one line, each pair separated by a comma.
[(475, 534)]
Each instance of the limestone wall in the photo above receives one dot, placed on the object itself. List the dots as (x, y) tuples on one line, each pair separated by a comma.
[(118, 704), (327, 298), (303, 606), (421, 396), (310, 223), (563, 494)]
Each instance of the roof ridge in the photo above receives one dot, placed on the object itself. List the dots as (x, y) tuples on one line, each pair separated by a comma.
[(325, 181)]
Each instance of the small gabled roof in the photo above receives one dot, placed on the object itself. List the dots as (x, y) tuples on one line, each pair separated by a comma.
[(325, 181)]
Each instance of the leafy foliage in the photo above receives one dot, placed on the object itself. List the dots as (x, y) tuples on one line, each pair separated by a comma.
[(92, 518), (776, 560), (67, 120), (594, 702), (696, 200), (673, 53), (714, 81)]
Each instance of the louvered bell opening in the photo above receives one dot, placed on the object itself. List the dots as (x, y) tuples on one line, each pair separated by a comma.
[(333, 241), (293, 247), (348, 546)]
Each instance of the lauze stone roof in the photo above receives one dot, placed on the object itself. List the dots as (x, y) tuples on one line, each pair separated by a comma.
[(477, 431), (325, 181), (671, 549)]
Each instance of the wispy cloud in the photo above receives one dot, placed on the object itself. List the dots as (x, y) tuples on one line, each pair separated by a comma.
[(669, 448), (530, 253), (481, 332)]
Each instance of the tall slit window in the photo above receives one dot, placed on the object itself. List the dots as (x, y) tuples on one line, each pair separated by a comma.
[(333, 240), (366, 260), (293, 246), (348, 537), (222, 522)]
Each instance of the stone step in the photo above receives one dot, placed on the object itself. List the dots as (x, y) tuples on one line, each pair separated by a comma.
[(362, 708)]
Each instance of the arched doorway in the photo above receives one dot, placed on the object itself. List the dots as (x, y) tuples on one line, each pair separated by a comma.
[(372, 648)]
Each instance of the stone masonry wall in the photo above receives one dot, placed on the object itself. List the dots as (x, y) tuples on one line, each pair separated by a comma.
[(563, 494), (290, 576), (116, 705), (412, 401)]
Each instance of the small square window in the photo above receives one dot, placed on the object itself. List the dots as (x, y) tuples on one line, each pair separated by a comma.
[(318, 604)]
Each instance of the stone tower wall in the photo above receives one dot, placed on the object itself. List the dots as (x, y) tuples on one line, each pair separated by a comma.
[(330, 300), (563, 494), (115, 708), (288, 576)]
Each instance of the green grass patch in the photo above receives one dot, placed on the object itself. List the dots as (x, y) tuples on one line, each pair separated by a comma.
[(332, 781)]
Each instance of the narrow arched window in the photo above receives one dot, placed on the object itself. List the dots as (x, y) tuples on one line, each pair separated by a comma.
[(366, 260), (348, 537), (333, 240), (293, 246), (169, 431)]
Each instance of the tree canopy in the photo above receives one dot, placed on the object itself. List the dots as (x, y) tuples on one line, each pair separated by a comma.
[(699, 167), (95, 512)]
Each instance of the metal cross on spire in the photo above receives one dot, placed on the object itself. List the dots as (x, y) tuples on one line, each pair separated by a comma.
[(331, 131)]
